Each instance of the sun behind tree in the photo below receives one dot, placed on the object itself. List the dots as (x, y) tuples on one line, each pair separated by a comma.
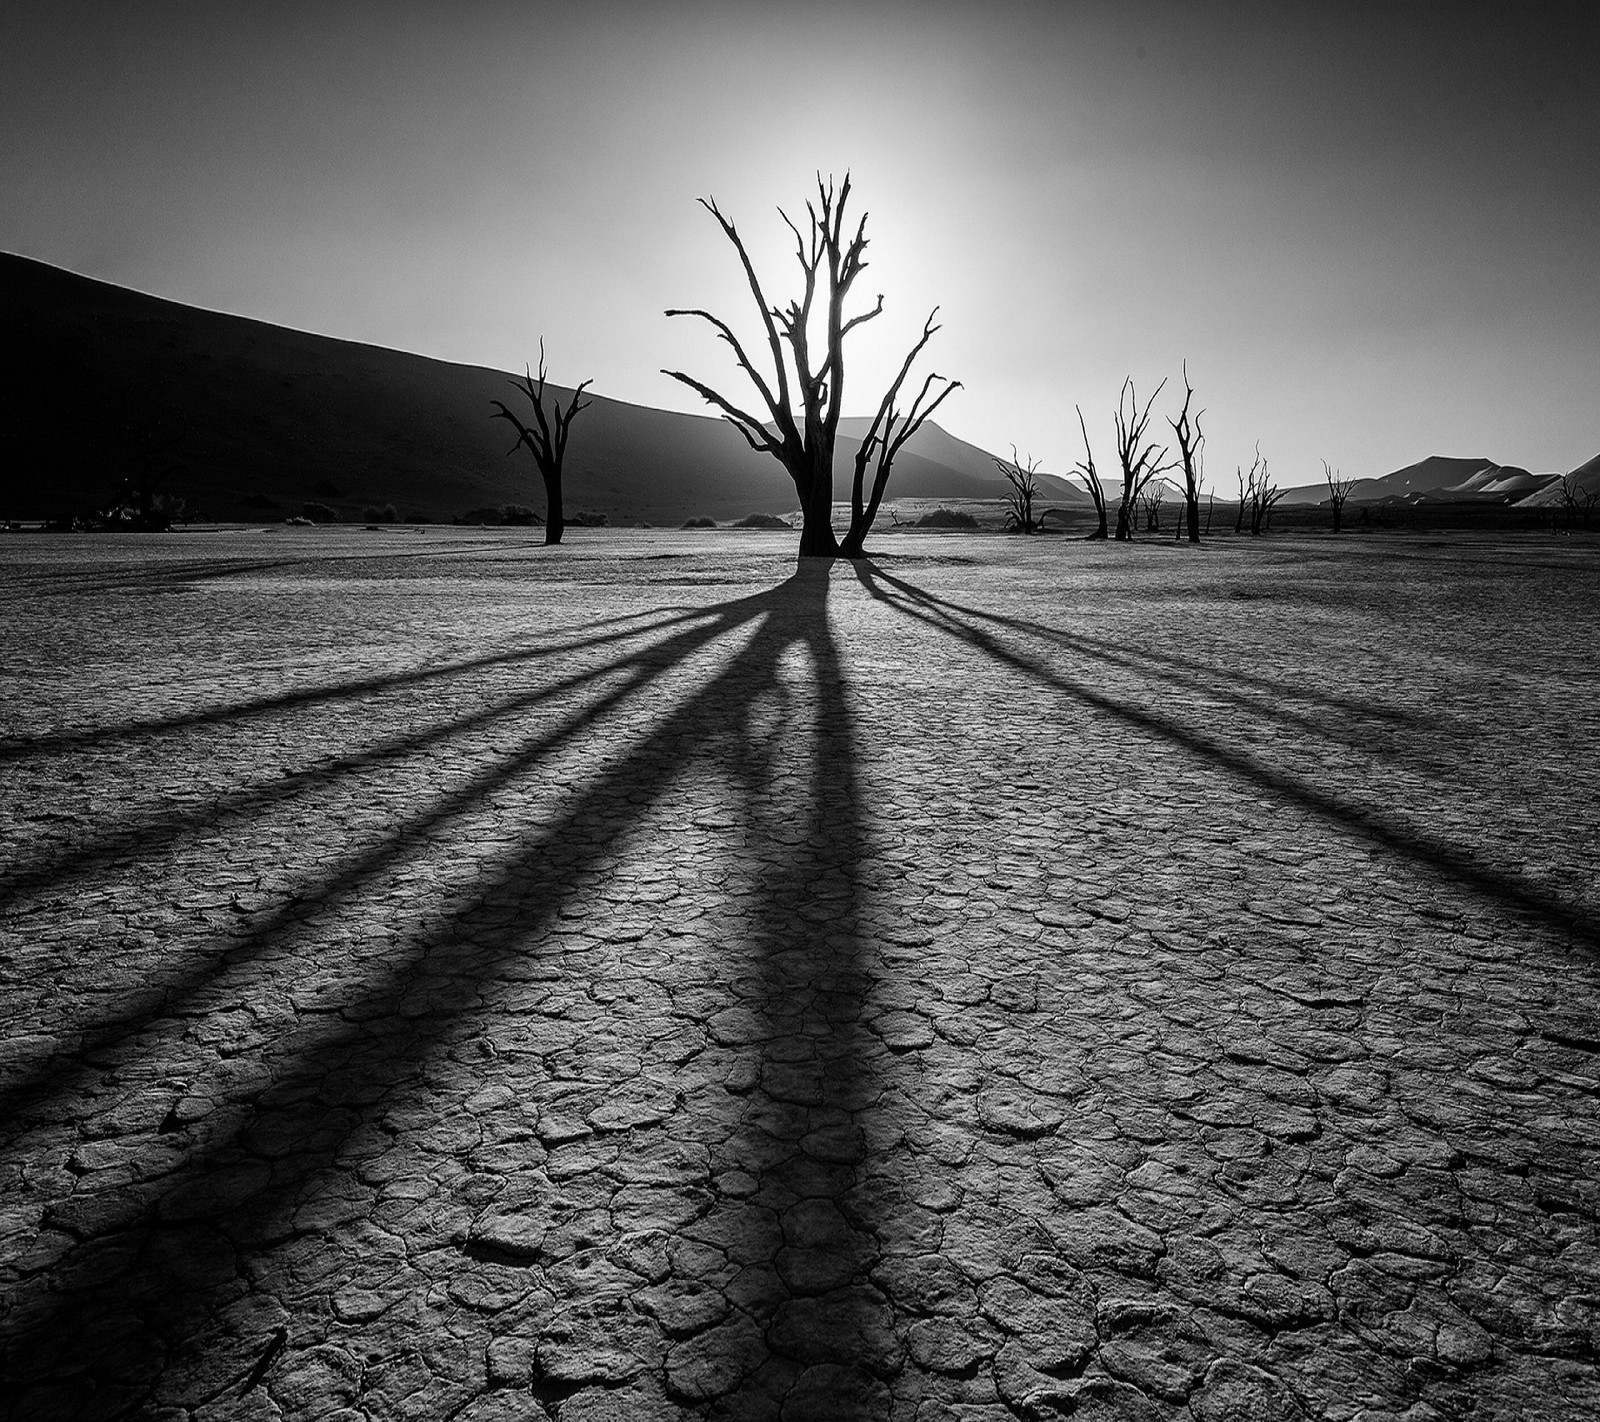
[(801, 424)]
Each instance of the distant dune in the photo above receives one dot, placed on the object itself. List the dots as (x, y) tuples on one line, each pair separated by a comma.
[(1586, 476), (1440, 479), (247, 420)]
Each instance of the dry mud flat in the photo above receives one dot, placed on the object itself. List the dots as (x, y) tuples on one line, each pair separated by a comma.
[(446, 978)]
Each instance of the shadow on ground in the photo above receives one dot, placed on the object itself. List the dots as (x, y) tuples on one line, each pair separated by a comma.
[(378, 1174)]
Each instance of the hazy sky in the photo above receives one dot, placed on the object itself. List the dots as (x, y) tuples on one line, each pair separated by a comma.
[(1372, 229)]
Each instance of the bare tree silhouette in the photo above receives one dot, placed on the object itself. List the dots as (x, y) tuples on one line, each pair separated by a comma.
[(1338, 491), (1258, 493), (885, 441), (1023, 477), (548, 442), (1191, 439), (1578, 502), (1140, 459), (1085, 470), (802, 420), (1150, 501), (1264, 500)]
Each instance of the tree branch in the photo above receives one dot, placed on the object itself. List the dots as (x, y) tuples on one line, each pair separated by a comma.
[(747, 424)]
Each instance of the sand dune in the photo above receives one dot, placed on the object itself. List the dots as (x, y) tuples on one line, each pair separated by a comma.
[(247, 420)]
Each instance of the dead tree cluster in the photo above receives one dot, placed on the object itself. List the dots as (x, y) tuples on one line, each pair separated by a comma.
[(1258, 495), (802, 389), (1141, 461), (799, 382)]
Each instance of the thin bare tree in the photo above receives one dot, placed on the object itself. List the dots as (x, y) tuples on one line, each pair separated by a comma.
[(1264, 495), (1578, 502), (1085, 470), (1023, 477), (547, 440), (1338, 491), (1150, 502), (801, 421), (886, 437), (1258, 493), (1270, 496), (1140, 459), (1190, 442)]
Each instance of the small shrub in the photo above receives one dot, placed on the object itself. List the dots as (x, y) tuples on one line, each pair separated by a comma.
[(318, 513), (386, 514), (947, 518), (585, 518), (700, 523), (519, 516), (763, 520)]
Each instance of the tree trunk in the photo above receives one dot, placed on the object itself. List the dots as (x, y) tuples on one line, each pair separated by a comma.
[(1124, 523), (1099, 509), (1193, 507), (555, 521), (817, 538), (1338, 510)]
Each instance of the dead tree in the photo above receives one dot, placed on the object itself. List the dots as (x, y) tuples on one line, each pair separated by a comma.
[(1150, 505), (1023, 477), (1578, 502), (885, 438), (1264, 495), (801, 423), (1256, 494), (1338, 491), (1269, 501), (547, 442), (1190, 441), (1141, 461), (1085, 470)]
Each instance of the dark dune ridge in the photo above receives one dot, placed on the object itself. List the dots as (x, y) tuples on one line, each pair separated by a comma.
[(246, 420)]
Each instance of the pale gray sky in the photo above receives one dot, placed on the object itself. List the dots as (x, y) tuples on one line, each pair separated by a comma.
[(1371, 228)]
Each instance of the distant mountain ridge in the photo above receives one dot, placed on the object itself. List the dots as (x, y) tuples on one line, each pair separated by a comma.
[(246, 420), (1440, 479)]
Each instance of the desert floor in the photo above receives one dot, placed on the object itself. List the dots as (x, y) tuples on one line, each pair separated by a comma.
[(443, 977)]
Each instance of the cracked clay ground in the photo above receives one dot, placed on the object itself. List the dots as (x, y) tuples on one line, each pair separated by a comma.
[(446, 978)]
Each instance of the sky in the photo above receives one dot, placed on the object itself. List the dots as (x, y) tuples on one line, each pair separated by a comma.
[(1372, 230)]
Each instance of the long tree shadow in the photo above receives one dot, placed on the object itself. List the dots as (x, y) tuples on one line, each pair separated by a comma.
[(179, 572), (26, 748), (142, 1265), (167, 826), (1387, 831), (164, 994)]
